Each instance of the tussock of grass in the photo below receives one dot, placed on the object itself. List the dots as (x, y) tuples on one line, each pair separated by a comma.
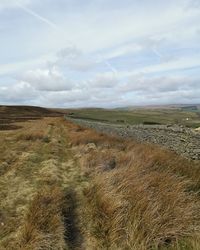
[(43, 227), (31, 136), (81, 136), (146, 201), (96, 162), (85, 137), (137, 210), (162, 160)]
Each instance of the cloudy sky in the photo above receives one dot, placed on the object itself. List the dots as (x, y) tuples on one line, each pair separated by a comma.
[(102, 53)]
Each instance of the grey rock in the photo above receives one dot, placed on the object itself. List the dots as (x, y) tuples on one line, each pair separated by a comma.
[(182, 140)]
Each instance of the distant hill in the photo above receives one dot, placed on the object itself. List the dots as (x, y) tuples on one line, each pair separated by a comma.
[(190, 108), (168, 106), (26, 111)]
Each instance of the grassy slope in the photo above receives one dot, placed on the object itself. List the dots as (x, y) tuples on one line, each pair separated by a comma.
[(164, 116), (65, 187)]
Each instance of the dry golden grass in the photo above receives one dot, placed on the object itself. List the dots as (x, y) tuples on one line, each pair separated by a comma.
[(125, 195), (31, 137), (137, 210), (81, 136), (139, 196), (43, 227), (34, 179)]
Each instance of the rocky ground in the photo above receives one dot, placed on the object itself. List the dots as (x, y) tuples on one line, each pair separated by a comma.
[(184, 141)]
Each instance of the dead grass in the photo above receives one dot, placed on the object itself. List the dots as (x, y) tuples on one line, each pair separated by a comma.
[(35, 176), (43, 227), (137, 210), (5, 127), (94, 162), (144, 200), (31, 137), (82, 136), (127, 196)]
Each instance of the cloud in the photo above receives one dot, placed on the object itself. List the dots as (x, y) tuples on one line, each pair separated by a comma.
[(105, 53), (70, 52), (47, 80), (124, 49), (169, 64), (20, 92), (21, 66), (156, 85), (75, 59), (13, 3), (193, 4), (105, 80), (37, 16)]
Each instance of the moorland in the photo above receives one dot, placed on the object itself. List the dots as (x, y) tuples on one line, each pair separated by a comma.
[(68, 186)]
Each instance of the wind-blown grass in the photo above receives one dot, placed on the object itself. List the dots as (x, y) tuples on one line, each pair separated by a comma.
[(146, 199)]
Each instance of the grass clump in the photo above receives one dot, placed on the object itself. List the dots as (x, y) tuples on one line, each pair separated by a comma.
[(31, 136), (148, 200), (43, 227), (137, 210)]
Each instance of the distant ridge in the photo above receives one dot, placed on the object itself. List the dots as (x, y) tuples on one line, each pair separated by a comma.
[(26, 111), (167, 106)]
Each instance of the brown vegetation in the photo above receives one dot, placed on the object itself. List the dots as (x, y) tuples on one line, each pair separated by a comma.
[(67, 187), (43, 226), (140, 196)]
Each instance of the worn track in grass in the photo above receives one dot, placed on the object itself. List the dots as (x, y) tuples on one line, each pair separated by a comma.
[(31, 159), (69, 188)]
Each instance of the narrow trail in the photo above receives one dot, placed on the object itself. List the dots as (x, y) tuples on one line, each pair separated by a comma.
[(72, 183), (40, 158)]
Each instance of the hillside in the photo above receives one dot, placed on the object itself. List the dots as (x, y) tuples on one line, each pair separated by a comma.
[(138, 116), (12, 114), (25, 111)]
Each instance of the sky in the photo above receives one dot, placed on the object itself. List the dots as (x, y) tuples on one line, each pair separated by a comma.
[(99, 53)]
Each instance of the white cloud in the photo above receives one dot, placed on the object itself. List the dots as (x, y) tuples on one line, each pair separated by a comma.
[(75, 59), (13, 3), (99, 53), (156, 85), (105, 80), (18, 93), (166, 65), (193, 4), (47, 80), (21, 66), (122, 50)]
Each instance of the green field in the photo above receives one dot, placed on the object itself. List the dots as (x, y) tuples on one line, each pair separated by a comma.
[(140, 116)]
